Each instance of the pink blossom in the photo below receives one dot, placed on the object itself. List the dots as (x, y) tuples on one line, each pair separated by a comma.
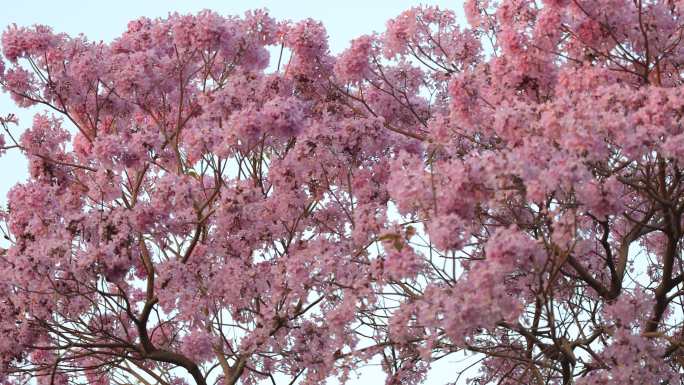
[(512, 188)]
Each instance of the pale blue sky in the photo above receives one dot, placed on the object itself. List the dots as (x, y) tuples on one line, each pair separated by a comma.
[(105, 20)]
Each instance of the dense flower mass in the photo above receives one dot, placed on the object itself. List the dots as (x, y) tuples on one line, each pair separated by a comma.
[(505, 191)]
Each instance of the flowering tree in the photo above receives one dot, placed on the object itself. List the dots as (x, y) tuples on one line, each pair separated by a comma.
[(198, 211), (183, 224)]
